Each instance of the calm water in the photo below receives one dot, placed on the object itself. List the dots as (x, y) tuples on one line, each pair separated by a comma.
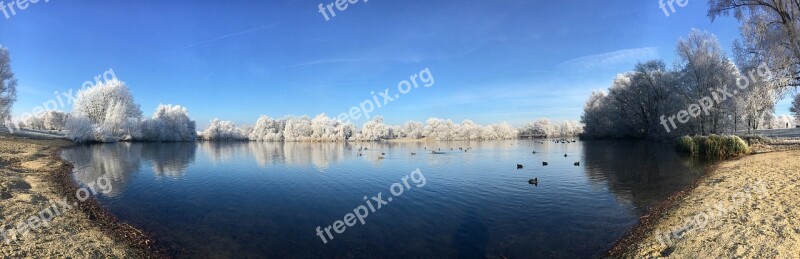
[(267, 199)]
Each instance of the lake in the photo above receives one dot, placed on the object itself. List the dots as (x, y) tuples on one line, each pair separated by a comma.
[(252, 199)]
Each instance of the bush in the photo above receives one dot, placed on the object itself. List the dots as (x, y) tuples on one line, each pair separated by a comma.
[(688, 145), (79, 128), (714, 147)]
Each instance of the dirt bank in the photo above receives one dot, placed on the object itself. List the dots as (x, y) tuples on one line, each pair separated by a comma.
[(746, 208), (37, 222)]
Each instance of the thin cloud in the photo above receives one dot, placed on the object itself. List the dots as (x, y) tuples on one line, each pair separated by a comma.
[(619, 57), (251, 30), (329, 61)]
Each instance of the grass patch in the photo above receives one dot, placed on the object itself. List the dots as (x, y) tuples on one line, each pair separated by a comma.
[(714, 146)]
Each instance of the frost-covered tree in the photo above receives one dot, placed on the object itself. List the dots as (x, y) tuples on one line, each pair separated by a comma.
[(96, 101), (599, 116), (268, 129), (54, 120), (34, 122), (439, 129), (704, 69), (111, 109), (543, 128), (795, 108), (298, 129), (469, 130), (223, 131), (500, 131), (771, 32), (374, 130), (345, 131), (540, 129), (413, 130), (169, 123), (8, 86), (760, 96), (783, 122)]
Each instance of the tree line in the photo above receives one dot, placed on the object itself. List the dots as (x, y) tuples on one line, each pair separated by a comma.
[(655, 101)]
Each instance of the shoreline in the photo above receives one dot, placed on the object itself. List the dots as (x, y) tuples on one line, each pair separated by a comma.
[(34, 178), (738, 230)]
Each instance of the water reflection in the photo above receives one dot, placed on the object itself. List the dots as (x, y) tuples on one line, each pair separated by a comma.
[(118, 162), (169, 159), (637, 171), (249, 199)]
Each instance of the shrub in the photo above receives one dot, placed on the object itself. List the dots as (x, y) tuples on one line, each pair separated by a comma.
[(714, 147), (688, 145), (79, 128)]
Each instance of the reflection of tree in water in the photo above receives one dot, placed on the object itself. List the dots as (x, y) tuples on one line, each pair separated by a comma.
[(318, 155), (267, 153), (117, 161), (221, 151), (169, 159), (640, 172)]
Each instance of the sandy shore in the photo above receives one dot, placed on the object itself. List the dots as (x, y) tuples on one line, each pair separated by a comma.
[(34, 182), (745, 208)]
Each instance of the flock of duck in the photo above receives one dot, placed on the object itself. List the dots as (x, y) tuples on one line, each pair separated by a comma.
[(534, 181), (435, 152)]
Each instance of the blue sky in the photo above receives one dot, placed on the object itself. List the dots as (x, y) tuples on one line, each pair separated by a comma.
[(493, 61)]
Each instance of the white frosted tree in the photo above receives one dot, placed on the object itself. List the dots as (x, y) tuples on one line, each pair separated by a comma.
[(783, 122), (413, 130), (95, 102), (795, 108), (325, 129), (111, 109), (374, 130), (54, 120), (470, 131), (706, 68), (298, 129), (502, 131), (8, 86), (439, 129), (223, 131), (770, 31), (169, 123), (34, 122), (267, 129), (345, 131)]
